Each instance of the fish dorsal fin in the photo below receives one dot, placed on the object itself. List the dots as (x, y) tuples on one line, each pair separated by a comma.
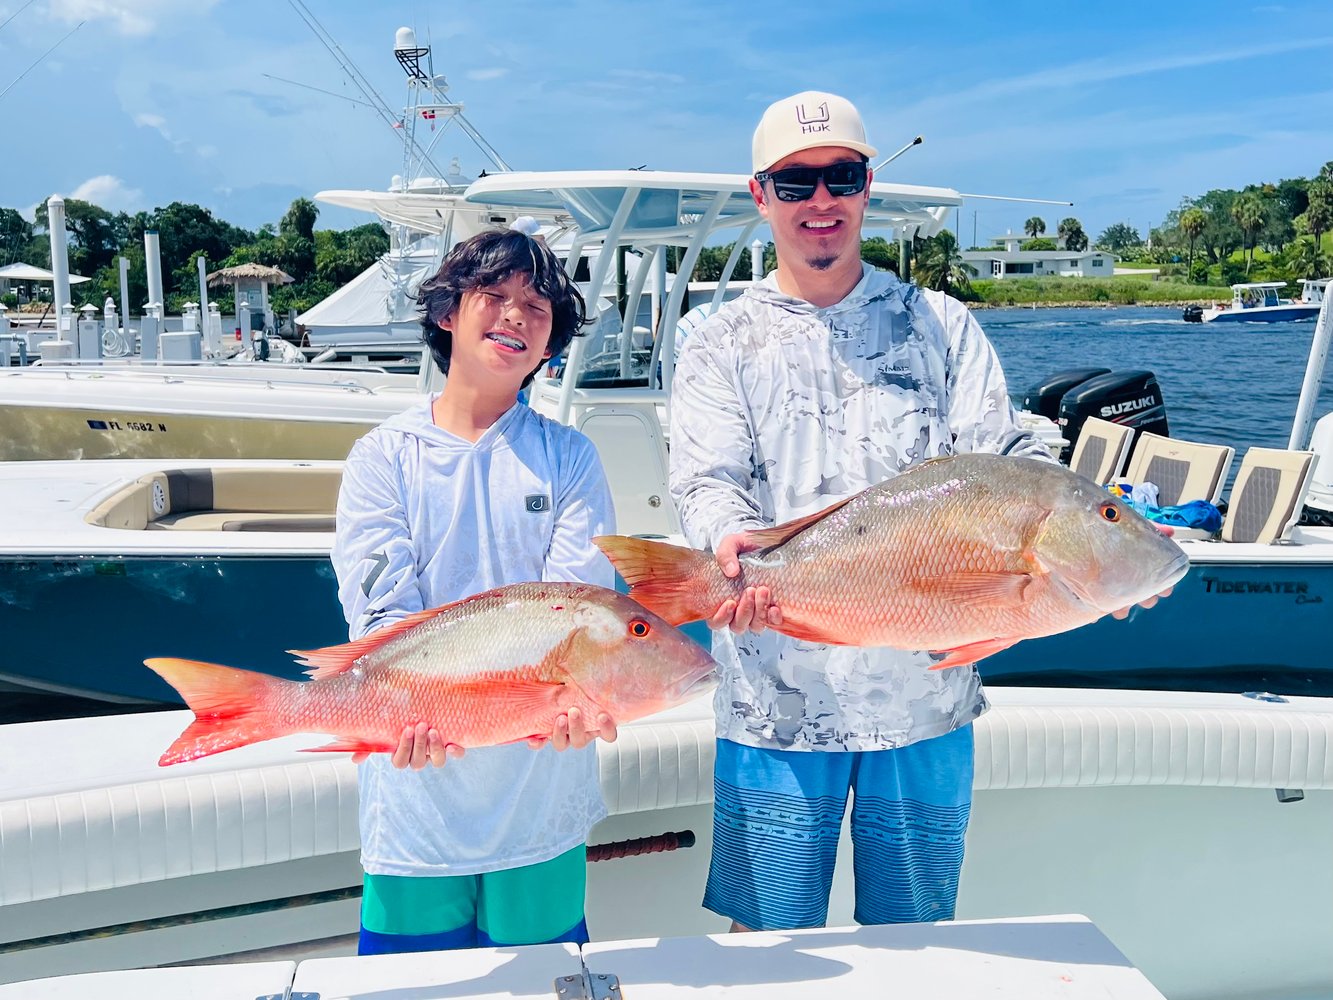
[(771, 538), (334, 660)]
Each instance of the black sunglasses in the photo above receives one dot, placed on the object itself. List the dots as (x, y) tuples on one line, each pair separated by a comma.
[(799, 183)]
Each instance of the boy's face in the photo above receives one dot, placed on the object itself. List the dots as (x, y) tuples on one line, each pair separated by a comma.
[(500, 332)]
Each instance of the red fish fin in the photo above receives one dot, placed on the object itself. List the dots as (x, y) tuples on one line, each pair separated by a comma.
[(526, 698), (772, 537), (811, 633), (228, 705), (333, 660), (971, 653), (350, 744), (670, 580), (1005, 590)]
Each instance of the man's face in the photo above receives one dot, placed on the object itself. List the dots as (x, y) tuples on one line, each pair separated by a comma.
[(822, 231)]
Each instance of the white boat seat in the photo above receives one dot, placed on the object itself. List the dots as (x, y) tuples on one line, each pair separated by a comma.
[(1267, 497), (1101, 450), (212, 499), (629, 440), (1181, 470)]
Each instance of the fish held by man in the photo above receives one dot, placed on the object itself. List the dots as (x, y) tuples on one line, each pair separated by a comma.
[(962, 556), (494, 668)]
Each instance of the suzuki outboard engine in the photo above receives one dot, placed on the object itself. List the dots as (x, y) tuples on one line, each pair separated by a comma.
[(1045, 396), (1132, 398)]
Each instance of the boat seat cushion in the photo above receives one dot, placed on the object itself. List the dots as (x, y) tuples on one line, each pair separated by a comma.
[(303, 497)]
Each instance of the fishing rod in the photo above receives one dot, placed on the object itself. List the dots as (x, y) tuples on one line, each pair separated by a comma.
[(915, 142), (40, 58)]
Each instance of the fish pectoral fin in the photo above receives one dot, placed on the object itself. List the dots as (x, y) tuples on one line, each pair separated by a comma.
[(350, 744), (1004, 590), (962, 655), (770, 538), (527, 697)]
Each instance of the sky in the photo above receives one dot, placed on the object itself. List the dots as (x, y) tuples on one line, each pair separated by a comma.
[(1121, 109)]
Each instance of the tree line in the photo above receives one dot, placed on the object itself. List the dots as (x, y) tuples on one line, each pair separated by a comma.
[(1285, 221), (320, 261)]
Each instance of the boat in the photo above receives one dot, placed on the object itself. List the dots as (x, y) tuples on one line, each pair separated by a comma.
[(1149, 812), (1260, 302), (1130, 806), (59, 549)]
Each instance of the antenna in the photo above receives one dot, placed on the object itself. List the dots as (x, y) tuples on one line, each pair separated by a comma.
[(915, 142), (362, 84)]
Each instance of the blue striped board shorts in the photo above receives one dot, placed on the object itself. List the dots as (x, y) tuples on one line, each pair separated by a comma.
[(778, 815)]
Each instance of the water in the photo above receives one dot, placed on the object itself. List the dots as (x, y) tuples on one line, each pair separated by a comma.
[(1223, 383)]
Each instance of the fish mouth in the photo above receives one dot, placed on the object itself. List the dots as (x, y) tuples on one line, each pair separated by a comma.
[(1172, 573), (701, 685)]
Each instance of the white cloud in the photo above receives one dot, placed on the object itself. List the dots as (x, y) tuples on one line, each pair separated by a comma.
[(129, 17), (109, 192), (490, 73), (146, 119)]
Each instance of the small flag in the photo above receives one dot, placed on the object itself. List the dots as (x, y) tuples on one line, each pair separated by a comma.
[(397, 124), (428, 114)]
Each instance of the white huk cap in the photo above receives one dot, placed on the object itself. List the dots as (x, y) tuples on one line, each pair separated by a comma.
[(806, 121)]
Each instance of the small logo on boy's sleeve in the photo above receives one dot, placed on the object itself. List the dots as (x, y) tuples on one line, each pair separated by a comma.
[(536, 503)]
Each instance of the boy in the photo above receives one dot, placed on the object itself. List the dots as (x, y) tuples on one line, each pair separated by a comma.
[(469, 492)]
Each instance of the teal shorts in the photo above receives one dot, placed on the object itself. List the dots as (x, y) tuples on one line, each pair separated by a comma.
[(534, 904)]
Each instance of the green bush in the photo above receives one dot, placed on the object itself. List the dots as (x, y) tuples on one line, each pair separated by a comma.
[(10, 300)]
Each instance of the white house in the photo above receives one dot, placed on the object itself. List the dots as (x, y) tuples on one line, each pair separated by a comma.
[(1011, 262)]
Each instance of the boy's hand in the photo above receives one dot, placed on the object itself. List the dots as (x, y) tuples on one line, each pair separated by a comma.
[(570, 731), (755, 611), (418, 746)]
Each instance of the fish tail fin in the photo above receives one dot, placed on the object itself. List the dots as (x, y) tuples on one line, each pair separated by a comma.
[(678, 583), (229, 705)]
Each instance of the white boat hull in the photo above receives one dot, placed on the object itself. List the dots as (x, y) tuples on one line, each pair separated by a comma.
[(1154, 814)]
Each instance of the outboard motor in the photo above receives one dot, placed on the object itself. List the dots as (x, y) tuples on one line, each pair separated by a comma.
[(1131, 398), (1045, 396)]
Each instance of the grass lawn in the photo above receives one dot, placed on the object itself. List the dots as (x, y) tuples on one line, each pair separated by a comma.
[(1125, 290)]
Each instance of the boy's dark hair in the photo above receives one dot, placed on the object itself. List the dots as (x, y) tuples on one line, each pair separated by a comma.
[(490, 258)]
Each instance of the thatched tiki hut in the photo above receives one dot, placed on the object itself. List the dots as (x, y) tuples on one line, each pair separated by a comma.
[(250, 283)]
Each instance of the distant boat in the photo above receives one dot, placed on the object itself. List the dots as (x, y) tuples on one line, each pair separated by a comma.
[(1260, 302)]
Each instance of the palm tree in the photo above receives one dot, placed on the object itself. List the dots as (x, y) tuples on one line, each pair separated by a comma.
[(1308, 261), (1248, 213), (1035, 226), (1319, 212), (940, 265), (1071, 232), (1193, 221)]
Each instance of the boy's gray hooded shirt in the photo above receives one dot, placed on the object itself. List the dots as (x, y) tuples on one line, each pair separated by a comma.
[(779, 409)]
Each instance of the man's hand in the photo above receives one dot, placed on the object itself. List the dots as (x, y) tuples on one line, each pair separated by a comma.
[(418, 746), (755, 610), (1123, 613), (570, 731)]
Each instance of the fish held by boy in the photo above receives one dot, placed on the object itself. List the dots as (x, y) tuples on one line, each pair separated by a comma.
[(494, 668), (963, 556)]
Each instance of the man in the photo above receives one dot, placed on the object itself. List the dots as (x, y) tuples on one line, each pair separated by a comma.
[(826, 378)]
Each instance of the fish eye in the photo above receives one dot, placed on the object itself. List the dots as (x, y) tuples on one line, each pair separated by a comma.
[(1111, 512), (639, 628)]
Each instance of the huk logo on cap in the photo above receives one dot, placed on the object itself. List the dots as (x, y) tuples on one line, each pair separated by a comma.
[(536, 503), (818, 122)]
